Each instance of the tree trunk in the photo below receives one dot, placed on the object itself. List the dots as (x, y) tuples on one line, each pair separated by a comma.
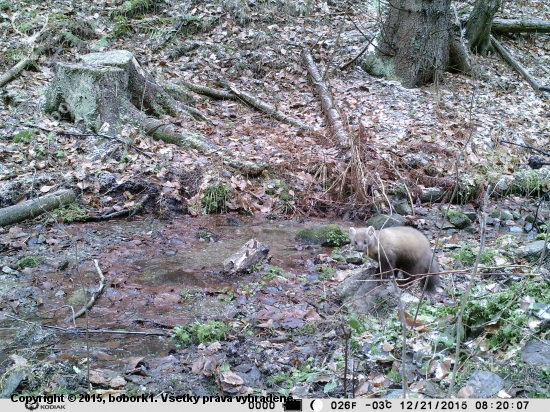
[(478, 27), (416, 34)]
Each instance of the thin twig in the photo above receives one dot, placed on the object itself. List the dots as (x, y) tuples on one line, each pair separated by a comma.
[(95, 295), (464, 299)]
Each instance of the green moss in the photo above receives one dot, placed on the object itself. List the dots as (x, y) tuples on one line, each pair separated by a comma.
[(197, 332), (69, 213), (467, 255), (24, 135), (530, 182), (272, 272), (215, 198), (205, 236), (327, 235), (377, 67), (30, 261)]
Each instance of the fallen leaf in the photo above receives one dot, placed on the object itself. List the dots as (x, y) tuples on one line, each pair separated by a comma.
[(46, 189)]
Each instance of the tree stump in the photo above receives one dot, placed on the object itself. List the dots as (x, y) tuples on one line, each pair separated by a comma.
[(104, 91)]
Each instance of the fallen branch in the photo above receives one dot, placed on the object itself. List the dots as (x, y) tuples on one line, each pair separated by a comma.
[(208, 91), (466, 294), (503, 26), (35, 207), (516, 65), (121, 332), (331, 112), (264, 107), (168, 133), (526, 146), (15, 70), (130, 211), (245, 258), (95, 295), (83, 331)]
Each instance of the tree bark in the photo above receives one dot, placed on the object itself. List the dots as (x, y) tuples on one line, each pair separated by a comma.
[(415, 33), (478, 27), (35, 207)]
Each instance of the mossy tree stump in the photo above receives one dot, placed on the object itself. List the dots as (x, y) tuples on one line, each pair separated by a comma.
[(103, 91)]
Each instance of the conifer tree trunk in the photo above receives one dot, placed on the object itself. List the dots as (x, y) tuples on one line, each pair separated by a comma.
[(416, 34)]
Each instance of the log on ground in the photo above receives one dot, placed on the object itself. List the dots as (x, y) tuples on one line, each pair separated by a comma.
[(331, 112), (35, 207), (505, 54), (503, 26)]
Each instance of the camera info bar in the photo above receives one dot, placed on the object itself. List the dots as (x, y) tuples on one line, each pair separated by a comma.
[(110, 402)]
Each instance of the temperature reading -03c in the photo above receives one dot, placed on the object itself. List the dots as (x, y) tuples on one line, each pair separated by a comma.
[(379, 405), (343, 405)]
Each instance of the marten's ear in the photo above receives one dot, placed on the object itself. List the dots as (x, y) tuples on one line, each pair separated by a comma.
[(370, 231), (352, 231)]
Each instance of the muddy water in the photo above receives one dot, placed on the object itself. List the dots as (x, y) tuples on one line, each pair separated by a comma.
[(159, 273)]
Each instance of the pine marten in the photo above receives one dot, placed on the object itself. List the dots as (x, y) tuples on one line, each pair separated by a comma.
[(398, 248)]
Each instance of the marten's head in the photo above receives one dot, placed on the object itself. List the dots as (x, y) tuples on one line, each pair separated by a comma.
[(362, 238)]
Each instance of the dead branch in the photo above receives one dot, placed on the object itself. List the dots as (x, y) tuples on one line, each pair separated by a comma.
[(327, 103), (30, 40), (82, 331), (208, 91), (264, 107), (35, 207), (515, 64), (106, 331), (130, 211), (245, 258), (526, 146), (353, 60), (95, 295), (15, 70)]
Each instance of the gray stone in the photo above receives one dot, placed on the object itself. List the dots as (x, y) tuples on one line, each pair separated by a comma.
[(431, 194), (403, 208), (485, 384), (536, 353), (458, 219), (532, 250), (381, 221), (363, 293)]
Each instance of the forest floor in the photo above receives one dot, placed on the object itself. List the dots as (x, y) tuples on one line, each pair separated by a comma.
[(436, 136)]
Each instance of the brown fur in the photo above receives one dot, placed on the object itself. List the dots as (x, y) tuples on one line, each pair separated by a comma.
[(399, 248)]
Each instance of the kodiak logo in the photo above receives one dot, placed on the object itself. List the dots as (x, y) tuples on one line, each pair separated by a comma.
[(32, 404)]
